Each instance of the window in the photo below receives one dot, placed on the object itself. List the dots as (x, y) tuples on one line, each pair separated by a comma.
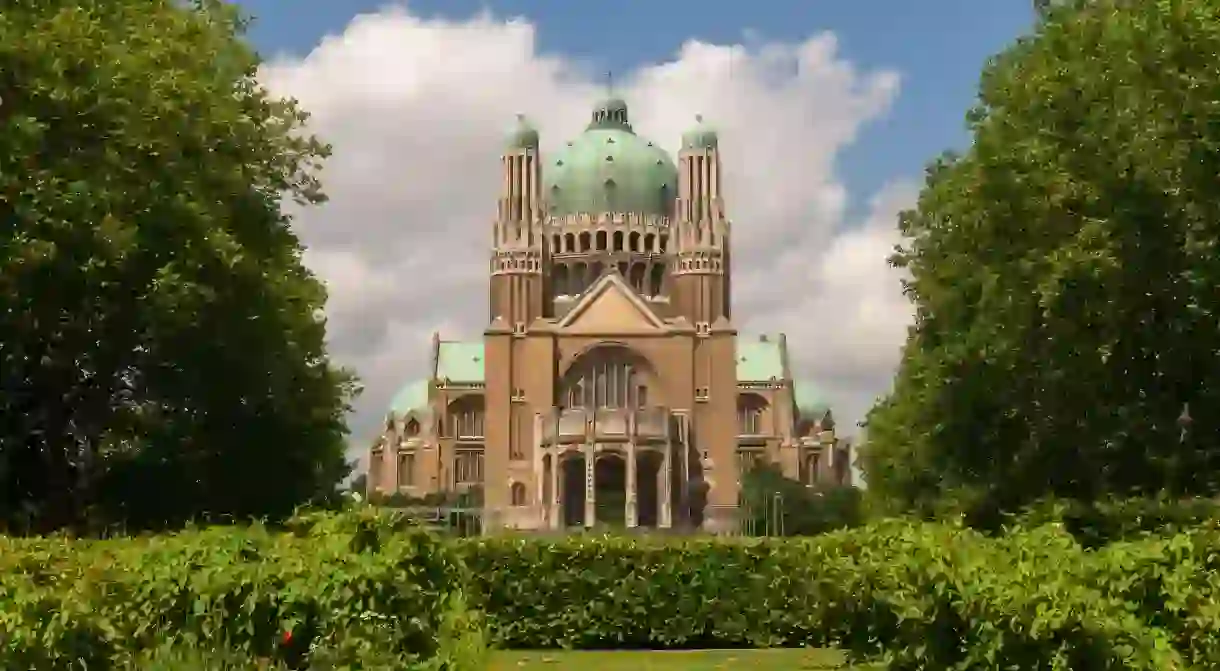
[(748, 460), (518, 494), (468, 467), (375, 470), (812, 466), (406, 469), (412, 428), (612, 382), (750, 415), (466, 419)]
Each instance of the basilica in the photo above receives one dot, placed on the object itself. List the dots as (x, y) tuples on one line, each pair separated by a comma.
[(610, 385)]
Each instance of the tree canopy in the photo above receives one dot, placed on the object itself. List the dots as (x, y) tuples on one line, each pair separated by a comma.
[(1064, 271), (161, 345)]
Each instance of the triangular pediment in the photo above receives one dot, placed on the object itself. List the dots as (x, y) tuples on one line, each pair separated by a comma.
[(610, 306)]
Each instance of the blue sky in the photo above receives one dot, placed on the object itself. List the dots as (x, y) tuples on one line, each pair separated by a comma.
[(938, 46), (821, 151)]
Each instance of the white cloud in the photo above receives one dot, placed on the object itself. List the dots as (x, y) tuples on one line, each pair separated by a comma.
[(417, 109)]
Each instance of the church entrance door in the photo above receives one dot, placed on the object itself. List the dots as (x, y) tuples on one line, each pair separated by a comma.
[(648, 488), (572, 490), (610, 487)]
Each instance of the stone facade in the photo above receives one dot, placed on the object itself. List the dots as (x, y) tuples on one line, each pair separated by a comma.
[(610, 384)]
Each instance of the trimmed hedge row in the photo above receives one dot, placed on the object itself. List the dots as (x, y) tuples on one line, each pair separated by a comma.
[(918, 595), (344, 591), (360, 591)]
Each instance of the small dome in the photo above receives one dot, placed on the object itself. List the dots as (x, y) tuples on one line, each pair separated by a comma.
[(609, 168), (411, 397), (701, 137), (524, 135), (809, 400)]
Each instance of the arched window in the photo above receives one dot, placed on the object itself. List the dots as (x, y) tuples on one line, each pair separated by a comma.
[(569, 243), (579, 279), (601, 241), (654, 282), (517, 494), (664, 241), (560, 282), (607, 377), (618, 241), (466, 418), (650, 241), (637, 277), (633, 241), (586, 241), (750, 408), (412, 428)]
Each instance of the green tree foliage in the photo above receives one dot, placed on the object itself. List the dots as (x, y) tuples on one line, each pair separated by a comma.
[(1064, 271), (777, 505), (161, 349)]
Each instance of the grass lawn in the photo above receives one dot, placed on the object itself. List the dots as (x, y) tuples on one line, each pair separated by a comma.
[(668, 660)]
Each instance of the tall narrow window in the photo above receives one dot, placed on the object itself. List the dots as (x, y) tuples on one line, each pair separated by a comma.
[(406, 469)]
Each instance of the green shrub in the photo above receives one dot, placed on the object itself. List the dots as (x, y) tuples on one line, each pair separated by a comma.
[(353, 589), (921, 595), (777, 505), (1097, 523)]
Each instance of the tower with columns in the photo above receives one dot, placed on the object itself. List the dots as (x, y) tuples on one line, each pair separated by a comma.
[(610, 385)]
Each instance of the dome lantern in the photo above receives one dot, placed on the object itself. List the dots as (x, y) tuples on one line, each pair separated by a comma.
[(701, 137), (523, 135)]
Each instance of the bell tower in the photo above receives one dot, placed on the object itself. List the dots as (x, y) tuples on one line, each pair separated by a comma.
[(701, 260), (516, 260)]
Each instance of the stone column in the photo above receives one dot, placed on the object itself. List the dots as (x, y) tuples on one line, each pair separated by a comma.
[(553, 504), (630, 514), (539, 503), (590, 485), (663, 474)]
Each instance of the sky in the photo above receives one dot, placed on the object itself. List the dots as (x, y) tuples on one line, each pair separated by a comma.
[(827, 112)]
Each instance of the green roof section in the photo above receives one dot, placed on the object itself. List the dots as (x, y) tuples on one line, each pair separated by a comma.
[(412, 396), (524, 135), (700, 138), (760, 360), (460, 361), (809, 398), (608, 168)]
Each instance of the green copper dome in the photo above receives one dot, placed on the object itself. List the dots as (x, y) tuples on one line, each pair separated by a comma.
[(700, 137), (524, 135), (809, 399), (609, 168)]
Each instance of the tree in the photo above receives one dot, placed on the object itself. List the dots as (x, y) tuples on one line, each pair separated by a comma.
[(161, 350), (1064, 273), (778, 505)]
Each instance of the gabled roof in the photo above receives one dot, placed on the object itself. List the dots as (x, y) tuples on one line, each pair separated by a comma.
[(460, 361), (759, 360), (610, 288)]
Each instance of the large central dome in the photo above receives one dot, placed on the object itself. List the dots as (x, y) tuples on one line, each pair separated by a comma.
[(609, 168)]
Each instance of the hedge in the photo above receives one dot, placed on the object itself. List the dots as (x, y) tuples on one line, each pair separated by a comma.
[(343, 587), (360, 591), (918, 596)]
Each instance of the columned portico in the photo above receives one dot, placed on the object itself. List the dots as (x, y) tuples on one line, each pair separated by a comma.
[(614, 475)]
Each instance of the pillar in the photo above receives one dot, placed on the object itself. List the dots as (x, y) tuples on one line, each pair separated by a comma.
[(553, 504), (540, 504), (590, 486), (630, 514), (666, 516)]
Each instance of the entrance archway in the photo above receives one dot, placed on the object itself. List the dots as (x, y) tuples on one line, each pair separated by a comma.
[(610, 487), (648, 490), (572, 490)]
